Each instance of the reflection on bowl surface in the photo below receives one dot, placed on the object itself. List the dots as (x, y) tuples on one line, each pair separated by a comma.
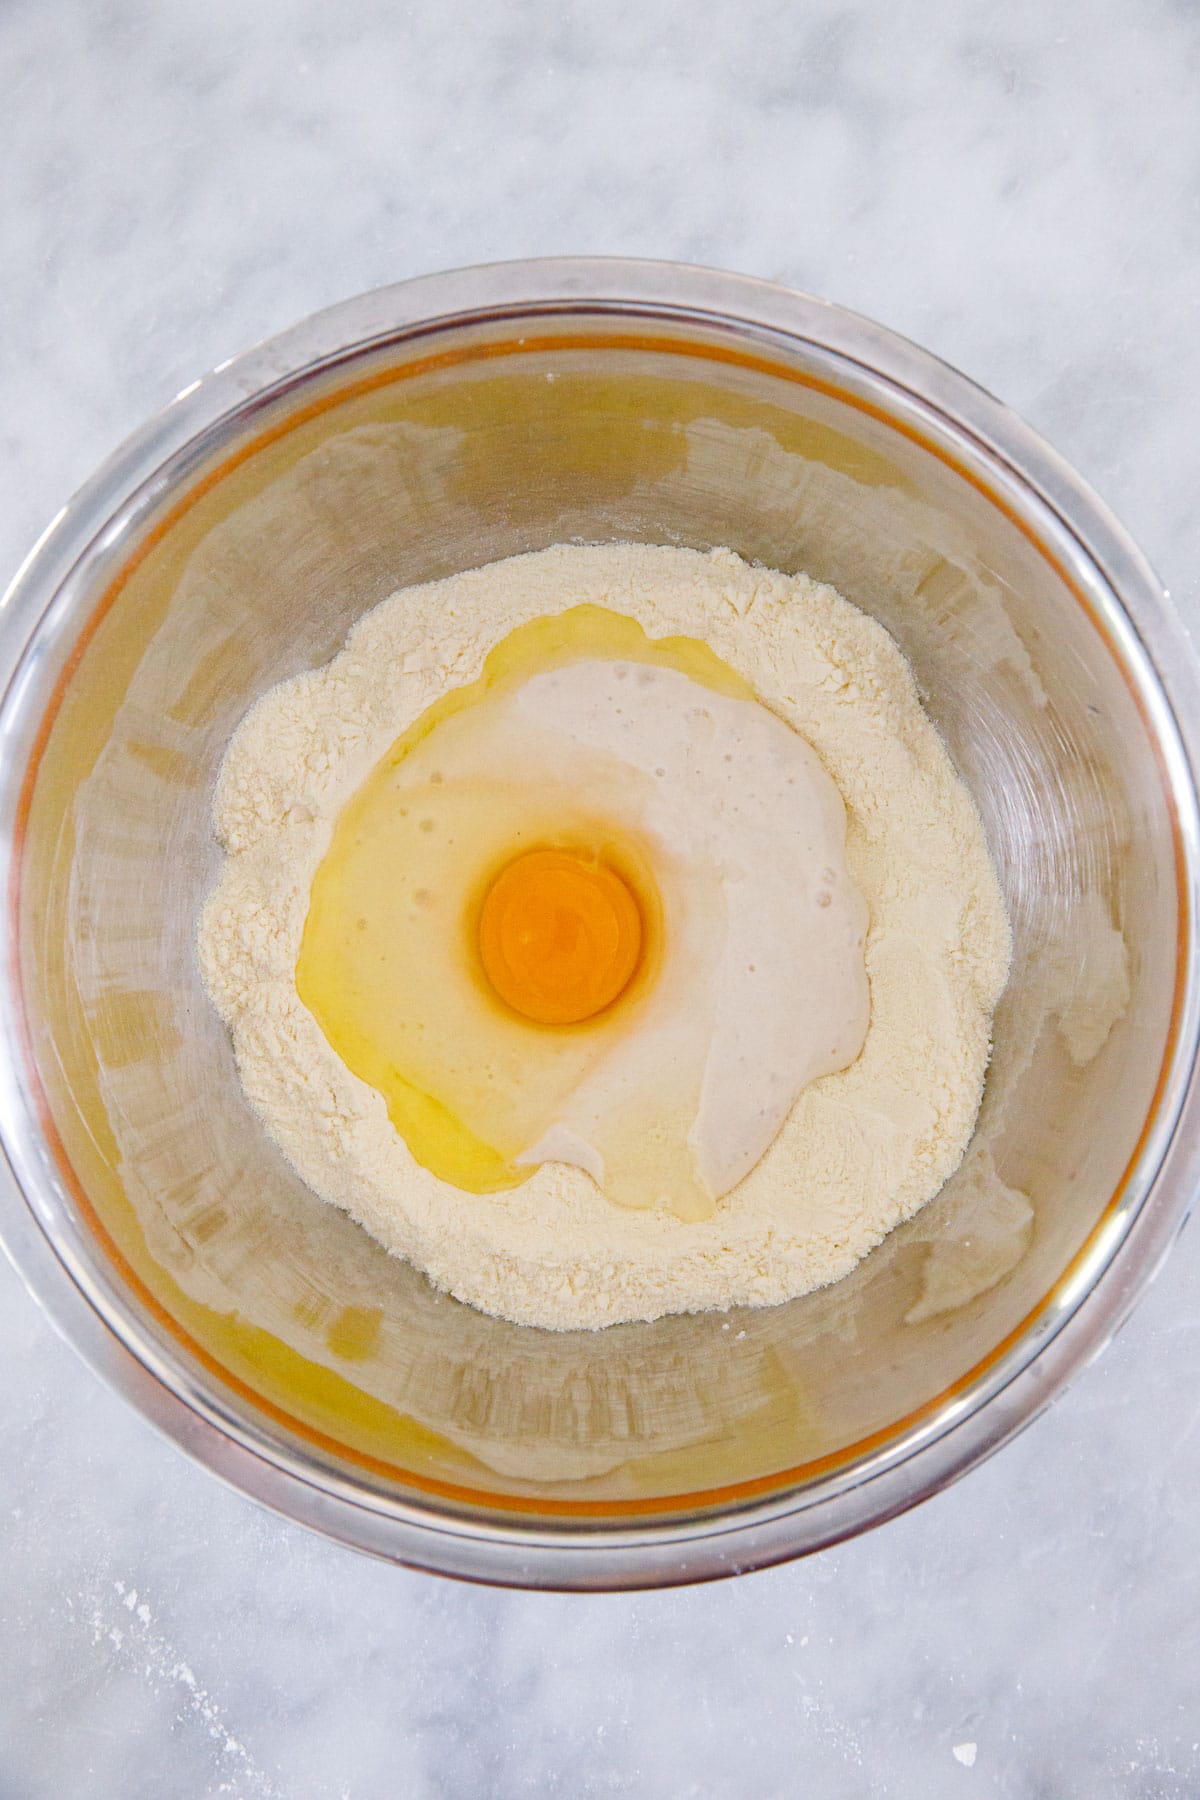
[(429, 429)]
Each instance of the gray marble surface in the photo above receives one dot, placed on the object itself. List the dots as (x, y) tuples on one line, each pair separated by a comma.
[(1018, 187)]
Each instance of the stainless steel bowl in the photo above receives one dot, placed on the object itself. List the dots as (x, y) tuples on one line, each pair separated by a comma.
[(437, 425)]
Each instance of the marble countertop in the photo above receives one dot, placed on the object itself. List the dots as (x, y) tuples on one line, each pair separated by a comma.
[(1016, 187)]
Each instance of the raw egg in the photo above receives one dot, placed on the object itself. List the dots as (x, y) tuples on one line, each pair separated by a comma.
[(592, 908)]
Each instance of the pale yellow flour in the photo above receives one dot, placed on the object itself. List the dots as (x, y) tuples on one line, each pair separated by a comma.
[(860, 1151)]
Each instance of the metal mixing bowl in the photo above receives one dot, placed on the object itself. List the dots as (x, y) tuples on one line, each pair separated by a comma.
[(438, 425)]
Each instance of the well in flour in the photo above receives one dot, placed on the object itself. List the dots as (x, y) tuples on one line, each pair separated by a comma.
[(860, 1150)]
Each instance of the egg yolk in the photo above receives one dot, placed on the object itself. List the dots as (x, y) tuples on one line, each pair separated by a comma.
[(559, 936)]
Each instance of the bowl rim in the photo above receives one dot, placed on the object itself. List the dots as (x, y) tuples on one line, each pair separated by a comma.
[(1110, 1271)]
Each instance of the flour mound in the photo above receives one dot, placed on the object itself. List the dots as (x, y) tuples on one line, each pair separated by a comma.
[(860, 1151)]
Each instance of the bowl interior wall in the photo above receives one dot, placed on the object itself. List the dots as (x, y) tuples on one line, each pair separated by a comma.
[(403, 466)]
